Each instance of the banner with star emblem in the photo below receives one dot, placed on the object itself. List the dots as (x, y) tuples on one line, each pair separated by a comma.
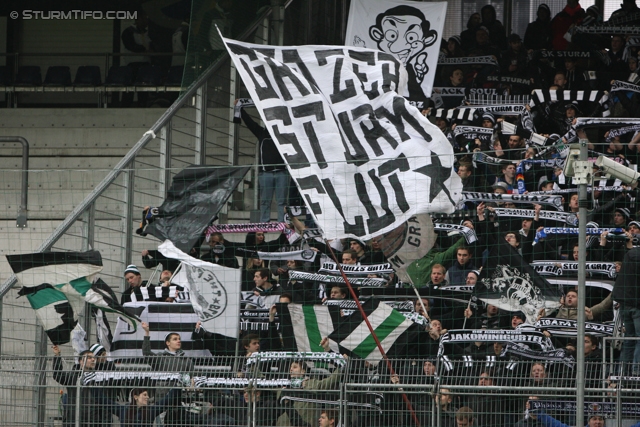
[(364, 159)]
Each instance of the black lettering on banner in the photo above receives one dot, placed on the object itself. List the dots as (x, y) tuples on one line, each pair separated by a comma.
[(312, 109), (373, 92), (271, 53), (374, 222), (291, 56), (242, 50), (308, 183), (358, 227), (337, 95), (377, 131), (263, 93), (387, 76), (369, 58), (401, 115), (401, 163), (298, 160), (361, 157), (396, 261), (282, 71)]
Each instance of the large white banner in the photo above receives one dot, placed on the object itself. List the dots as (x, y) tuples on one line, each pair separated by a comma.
[(364, 159), (214, 290), (407, 29)]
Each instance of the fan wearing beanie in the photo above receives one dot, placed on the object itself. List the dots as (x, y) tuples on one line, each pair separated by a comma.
[(135, 283)]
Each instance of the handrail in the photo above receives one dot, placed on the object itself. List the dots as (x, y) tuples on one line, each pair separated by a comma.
[(142, 142), (21, 220)]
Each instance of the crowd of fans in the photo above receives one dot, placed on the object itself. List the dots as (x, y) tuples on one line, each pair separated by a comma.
[(512, 162)]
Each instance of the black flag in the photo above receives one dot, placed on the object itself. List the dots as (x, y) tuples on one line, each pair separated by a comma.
[(196, 196), (512, 284)]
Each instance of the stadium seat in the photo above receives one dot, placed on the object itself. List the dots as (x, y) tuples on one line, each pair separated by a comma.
[(88, 75), (174, 77), (119, 76), (151, 75), (5, 76), (29, 75), (58, 76)]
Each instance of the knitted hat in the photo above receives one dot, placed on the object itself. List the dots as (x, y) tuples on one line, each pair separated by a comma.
[(543, 181), (636, 223), (624, 212), (520, 315), (545, 7), (594, 9), (97, 349), (483, 28), (593, 224), (132, 269), (456, 39), (501, 184), (490, 117)]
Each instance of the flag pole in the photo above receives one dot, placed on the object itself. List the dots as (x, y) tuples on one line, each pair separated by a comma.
[(373, 334), (424, 310)]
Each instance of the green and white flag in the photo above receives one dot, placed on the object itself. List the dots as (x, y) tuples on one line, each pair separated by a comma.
[(304, 326), (57, 285), (392, 328)]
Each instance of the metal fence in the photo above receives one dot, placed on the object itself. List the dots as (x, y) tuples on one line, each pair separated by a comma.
[(289, 390)]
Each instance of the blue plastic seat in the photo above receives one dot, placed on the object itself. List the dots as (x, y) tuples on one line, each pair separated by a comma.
[(5, 76), (119, 76), (88, 75), (58, 76), (29, 75), (151, 75), (174, 77)]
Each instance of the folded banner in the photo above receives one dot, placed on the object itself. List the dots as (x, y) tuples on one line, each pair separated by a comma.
[(314, 356), (329, 278), (304, 326), (194, 199), (566, 217), (546, 231), (522, 351), (512, 284), (407, 243), (558, 268), (566, 327), (264, 227), (555, 201), (58, 284), (468, 233), (615, 133), (619, 85), (348, 269), (470, 60), (363, 144), (494, 335), (304, 255), (605, 409), (540, 96), (410, 31), (214, 290), (468, 134)]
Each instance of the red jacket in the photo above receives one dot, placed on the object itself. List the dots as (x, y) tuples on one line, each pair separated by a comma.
[(561, 23)]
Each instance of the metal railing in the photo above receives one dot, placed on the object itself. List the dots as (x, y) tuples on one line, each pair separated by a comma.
[(292, 390)]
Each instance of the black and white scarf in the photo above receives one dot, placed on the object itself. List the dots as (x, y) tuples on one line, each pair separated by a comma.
[(570, 327), (468, 233), (555, 201), (329, 278), (242, 102)]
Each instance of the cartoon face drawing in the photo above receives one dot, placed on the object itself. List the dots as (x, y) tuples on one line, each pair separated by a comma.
[(404, 32)]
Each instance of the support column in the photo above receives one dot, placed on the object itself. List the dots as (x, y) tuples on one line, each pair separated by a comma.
[(201, 125), (129, 190), (164, 181)]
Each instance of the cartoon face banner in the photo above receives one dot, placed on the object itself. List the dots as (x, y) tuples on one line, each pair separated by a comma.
[(409, 30), (363, 158)]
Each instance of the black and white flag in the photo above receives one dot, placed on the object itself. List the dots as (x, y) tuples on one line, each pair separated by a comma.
[(409, 30), (347, 135), (214, 290), (511, 284)]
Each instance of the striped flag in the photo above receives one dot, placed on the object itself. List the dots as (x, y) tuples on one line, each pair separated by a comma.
[(304, 326), (393, 329), (57, 285)]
